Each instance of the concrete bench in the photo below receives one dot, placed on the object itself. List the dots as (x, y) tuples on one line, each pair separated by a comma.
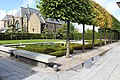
[(35, 58), (22, 44), (7, 49)]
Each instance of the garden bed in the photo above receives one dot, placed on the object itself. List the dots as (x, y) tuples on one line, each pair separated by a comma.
[(57, 49)]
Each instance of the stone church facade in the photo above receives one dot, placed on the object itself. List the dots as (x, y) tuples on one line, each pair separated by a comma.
[(31, 20)]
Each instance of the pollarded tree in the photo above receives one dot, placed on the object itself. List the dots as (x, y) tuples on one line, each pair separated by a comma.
[(65, 10), (85, 17), (115, 27), (100, 22), (94, 20)]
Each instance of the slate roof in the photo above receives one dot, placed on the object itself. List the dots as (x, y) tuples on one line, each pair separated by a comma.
[(27, 12), (23, 11), (53, 21), (7, 17)]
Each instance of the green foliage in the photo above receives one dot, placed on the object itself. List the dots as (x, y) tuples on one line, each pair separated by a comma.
[(43, 48), (76, 46), (58, 9), (55, 50), (47, 34), (58, 53), (62, 32)]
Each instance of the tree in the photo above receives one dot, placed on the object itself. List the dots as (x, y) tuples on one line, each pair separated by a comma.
[(61, 9), (86, 16), (11, 30), (47, 33)]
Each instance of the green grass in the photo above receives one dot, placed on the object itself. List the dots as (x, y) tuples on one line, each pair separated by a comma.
[(28, 41), (96, 41)]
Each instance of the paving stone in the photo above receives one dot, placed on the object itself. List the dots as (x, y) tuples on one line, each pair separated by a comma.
[(106, 71), (11, 78), (116, 74), (35, 77), (71, 72), (14, 70), (18, 75)]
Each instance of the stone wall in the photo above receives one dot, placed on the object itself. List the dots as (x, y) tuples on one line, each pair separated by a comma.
[(1, 24), (34, 24)]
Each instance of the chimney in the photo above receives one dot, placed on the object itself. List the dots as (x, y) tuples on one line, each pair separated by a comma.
[(28, 9)]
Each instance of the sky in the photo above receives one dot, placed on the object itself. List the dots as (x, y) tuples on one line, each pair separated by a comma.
[(11, 7), (110, 6)]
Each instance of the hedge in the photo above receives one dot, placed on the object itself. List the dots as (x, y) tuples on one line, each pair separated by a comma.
[(19, 36), (22, 36), (57, 49)]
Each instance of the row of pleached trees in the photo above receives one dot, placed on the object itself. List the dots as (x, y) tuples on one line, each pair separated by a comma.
[(85, 12)]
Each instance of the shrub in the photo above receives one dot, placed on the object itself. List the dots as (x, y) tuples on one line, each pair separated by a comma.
[(88, 46), (79, 46), (56, 49), (58, 53), (76, 46)]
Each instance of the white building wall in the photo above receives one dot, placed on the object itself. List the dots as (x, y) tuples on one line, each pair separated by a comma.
[(1, 24)]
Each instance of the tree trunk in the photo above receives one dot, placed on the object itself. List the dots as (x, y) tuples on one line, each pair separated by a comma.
[(109, 36), (83, 39), (55, 31), (93, 37), (105, 36), (68, 40), (117, 36), (100, 37), (113, 36)]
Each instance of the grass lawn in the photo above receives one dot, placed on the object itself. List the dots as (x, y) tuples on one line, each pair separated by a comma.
[(29, 41)]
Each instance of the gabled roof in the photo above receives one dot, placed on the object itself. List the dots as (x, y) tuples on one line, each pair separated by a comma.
[(7, 17), (27, 12), (23, 11)]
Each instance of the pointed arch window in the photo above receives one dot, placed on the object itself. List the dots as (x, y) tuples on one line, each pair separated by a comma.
[(17, 24)]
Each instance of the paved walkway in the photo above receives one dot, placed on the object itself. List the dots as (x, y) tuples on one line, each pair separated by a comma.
[(80, 57), (103, 68)]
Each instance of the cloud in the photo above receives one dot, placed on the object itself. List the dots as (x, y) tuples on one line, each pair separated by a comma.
[(112, 7), (79, 27), (12, 12), (3, 13), (31, 3), (101, 2), (117, 17)]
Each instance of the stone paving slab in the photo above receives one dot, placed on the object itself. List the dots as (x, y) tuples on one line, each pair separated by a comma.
[(104, 70), (96, 66), (82, 57), (116, 74), (11, 78), (108, 65)]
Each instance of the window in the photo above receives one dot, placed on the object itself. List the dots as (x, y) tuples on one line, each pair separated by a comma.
[(33, 29), (17, 25)]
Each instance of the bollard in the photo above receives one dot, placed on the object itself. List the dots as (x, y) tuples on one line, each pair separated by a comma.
[(55, 67)]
